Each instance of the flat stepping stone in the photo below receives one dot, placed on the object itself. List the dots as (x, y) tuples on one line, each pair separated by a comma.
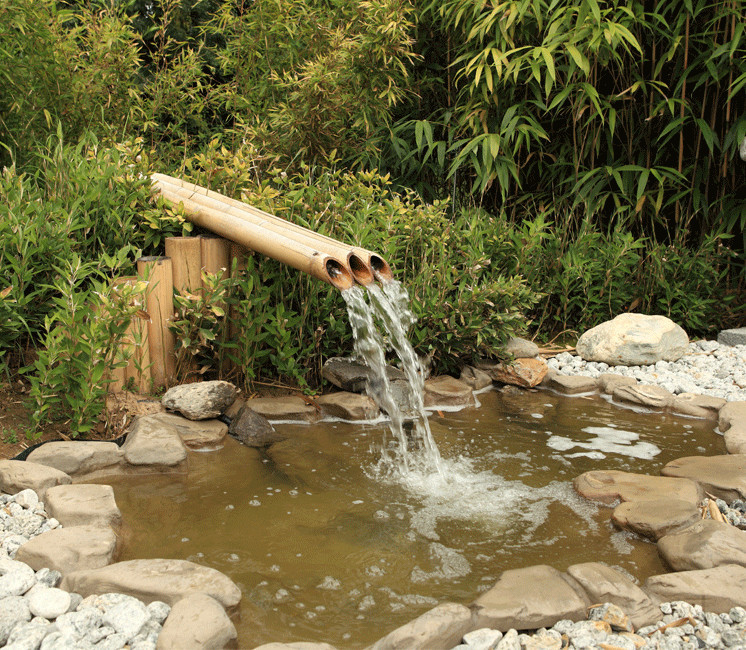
[(19, 475), (440, 628), (351, 376), (447, 391), (722, 476), (655, 519), (570, 384), (70, 549), (525, 373), (154, 445), (698, 406), (717, 590), (284, 408), (704, 545), (197, 621), (157, 579), (609, 381), (603, 584), (530, 598), (78, 458), (610, 486), (348, 406), (643, 395), (195, 434), (205, 400), (83, 504)]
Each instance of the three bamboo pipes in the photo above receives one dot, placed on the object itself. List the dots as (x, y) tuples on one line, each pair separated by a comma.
[(322, 257)]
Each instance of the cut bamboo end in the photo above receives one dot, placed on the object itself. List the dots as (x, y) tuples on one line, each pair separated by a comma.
[(186, 262), (158, 273)]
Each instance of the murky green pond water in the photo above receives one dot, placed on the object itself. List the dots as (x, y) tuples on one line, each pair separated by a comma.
[(323, 550)]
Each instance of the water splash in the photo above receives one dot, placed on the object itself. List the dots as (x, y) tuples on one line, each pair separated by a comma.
[(413, 449)]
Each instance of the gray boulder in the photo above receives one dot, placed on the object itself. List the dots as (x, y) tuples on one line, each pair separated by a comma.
[(197, 622), (633, 340), (252, 429), (200, 401), (350, 375), (476, 378)]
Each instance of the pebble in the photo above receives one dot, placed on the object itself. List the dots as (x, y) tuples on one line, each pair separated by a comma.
[(707, 368), (35, 614), (703, 630)]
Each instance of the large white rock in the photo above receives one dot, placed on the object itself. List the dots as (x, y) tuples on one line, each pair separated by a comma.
[(633, 340), (201, 401)]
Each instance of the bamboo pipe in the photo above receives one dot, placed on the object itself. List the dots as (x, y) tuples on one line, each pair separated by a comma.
[(272, 244), (137, 370), (365, 264), (361, 272)]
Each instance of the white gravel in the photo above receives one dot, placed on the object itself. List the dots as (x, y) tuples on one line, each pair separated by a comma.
[(708, 368)]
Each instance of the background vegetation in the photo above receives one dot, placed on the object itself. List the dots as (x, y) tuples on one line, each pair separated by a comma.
[(526, 166)]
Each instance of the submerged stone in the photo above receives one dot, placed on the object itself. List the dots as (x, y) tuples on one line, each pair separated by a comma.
[(610, 486)]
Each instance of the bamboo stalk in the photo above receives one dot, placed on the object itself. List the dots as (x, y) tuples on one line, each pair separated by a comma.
[(186, 262), (216, 255), (157, 271)]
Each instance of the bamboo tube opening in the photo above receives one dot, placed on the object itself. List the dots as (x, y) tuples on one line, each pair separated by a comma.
[(360, 270), (380, 267)]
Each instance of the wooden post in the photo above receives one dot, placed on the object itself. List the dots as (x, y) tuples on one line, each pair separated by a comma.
[(186, 261), (137, 371), (161, 342), (216, 255)]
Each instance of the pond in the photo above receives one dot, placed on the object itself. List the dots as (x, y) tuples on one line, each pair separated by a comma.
[(325, 549)]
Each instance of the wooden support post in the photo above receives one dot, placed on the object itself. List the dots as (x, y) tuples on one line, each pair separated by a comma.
[(186, 261), (216, 255), (137, 372), (162, 343)]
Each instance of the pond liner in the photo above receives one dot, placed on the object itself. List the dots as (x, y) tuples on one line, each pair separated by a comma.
[(119, 441)]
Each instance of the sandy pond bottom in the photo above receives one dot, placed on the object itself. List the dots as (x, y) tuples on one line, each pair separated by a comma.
[(323, 550)]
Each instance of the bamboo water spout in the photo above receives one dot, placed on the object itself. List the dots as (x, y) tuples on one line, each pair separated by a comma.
[(363, 264), (274, 244)]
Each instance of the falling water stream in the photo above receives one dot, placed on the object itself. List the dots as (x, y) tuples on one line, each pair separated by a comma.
[(343, 531)]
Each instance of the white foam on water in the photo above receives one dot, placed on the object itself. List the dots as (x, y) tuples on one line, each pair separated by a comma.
[(607, 440)]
